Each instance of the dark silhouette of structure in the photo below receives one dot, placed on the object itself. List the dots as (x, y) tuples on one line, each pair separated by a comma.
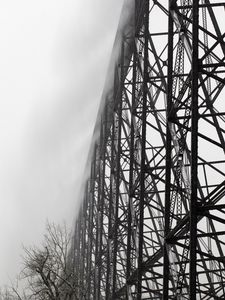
[(152, 219)]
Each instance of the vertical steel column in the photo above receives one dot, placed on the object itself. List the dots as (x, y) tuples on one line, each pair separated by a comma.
[(168, 156), (100, 212), (131, 170), (119, 110), (194, 153), (78, 268), (102, 195), (91, 285), (85, 244), (90, 231), (97, 180), (110, 229), (81, 270), (143, 152)]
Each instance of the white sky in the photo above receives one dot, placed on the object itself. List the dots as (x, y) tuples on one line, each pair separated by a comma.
[(53, 60)]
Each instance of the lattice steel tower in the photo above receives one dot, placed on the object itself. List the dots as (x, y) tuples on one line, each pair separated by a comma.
[(152, 219)]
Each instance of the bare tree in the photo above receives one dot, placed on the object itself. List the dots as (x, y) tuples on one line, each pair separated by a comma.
[(48, 269), (48, 272)]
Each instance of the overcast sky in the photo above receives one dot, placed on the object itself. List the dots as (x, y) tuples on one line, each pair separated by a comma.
[(53, 60)]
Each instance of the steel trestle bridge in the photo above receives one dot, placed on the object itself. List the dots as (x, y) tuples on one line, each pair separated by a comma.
[(152, 220)]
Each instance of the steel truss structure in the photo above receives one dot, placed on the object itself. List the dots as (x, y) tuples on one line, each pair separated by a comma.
[(152, 219)]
